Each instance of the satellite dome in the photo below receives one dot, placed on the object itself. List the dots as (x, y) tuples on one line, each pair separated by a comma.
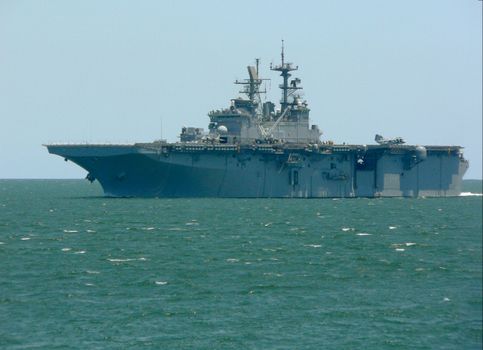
[(421, 152), (222, 129)]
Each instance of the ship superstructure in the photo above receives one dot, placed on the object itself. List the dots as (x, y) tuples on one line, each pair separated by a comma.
[(258, 149), (250, 120)]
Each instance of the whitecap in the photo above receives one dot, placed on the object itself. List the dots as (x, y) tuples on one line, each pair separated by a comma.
[(128, 259), (400, 249), (446, 299), (120, 260), (392, 227), (89, 284), (363, 234), (345, 229), (148, 228), (25, 238), (470, 194), (231, 260), (80, 252), (408, 244), (268, 224), (70, 231), (66, 249), (313, 245), (2, 243), (272, 274), (160, 283), (92, 272), (90, 231)]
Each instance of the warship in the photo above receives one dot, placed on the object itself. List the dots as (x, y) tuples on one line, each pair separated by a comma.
[(255, 148)]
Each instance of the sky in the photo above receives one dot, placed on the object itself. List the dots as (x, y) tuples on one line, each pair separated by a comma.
[(132, 71)]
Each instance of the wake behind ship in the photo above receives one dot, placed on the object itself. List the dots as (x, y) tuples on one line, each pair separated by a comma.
[(257, 149)]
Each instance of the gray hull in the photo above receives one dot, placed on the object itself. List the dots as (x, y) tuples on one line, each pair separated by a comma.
[(184, 170)]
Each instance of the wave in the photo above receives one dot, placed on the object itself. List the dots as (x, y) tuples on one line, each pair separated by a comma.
[(128, 259), (470, 194)]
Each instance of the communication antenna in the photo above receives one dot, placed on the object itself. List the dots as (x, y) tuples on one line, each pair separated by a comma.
[(282, 54), (257, 60)]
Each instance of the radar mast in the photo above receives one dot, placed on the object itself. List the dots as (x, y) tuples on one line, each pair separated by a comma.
[(285, 68), (251, 86)]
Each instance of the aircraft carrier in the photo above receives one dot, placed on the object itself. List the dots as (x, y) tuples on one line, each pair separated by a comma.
[(259, 149)]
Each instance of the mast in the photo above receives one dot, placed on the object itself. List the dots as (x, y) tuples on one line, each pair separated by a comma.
[(257, 60), (251, 86), (284, 68)]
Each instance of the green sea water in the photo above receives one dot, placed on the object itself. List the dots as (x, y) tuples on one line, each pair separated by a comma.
[(79, 271)]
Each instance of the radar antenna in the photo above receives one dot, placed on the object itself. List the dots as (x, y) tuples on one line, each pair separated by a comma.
[(251, 86)]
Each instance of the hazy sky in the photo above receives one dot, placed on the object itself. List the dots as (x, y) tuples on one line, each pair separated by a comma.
[(109, 71)]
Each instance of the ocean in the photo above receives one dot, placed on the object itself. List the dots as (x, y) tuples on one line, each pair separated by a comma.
[(80, 271)]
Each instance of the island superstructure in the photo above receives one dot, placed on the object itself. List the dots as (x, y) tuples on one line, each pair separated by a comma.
[(258, 149)]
